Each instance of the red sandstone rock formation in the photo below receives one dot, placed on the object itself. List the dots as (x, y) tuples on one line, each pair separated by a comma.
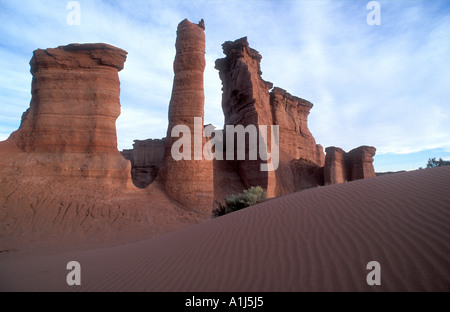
[(247, 100), (335, 169), (190, 182), (72, 115), (354, 165), (62, 178), (75, 100), (146, 158), (291, 114), (360, 163)]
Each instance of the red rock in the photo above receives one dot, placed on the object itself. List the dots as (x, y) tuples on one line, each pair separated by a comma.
[(75, 100), (146, 158), (335, 170), (360, 163), (62, 179), (342, 167), (247, 100), (189, 182), (291, 114)]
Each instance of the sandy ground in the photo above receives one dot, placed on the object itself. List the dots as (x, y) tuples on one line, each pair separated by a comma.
[(316, 240)]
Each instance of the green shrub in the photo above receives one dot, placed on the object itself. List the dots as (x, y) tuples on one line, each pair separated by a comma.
[(432, 162), (239, 201)]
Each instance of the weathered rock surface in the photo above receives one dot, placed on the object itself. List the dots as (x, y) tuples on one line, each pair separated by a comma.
[(62, 179), (360, 163), (335, 170), (342, 167), (146, 158), (291, 114), (247, 100), (75, 100), (190, 182)]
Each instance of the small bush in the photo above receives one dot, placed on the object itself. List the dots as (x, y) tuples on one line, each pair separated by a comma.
[(239, 201)]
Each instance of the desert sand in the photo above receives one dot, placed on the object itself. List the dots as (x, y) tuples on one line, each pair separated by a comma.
[(319, 239)]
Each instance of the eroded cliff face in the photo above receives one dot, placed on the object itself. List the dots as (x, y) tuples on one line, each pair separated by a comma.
[(246, 101), (249, 100), (75, 100), (291, 114), (189, 182)]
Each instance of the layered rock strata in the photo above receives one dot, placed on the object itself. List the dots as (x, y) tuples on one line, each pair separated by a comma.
[(70, 126), (62, 179), (355, 165), (188, 181), (245, 101), (248, 100), (291, 114), (75, 100)]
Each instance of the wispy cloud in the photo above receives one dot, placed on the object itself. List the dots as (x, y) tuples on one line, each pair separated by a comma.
[(385, 86)]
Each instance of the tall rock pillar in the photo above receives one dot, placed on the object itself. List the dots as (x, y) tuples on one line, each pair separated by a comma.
[(188, 181), (71, 123), (75, 100)]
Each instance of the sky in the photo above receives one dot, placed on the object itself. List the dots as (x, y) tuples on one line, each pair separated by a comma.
[(385, 85)]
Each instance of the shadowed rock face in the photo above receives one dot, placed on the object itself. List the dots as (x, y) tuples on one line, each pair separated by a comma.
[(354, 165), (75, 100), (146, 158), (335, 170), (247, 100), (190, 182), (360, 163)]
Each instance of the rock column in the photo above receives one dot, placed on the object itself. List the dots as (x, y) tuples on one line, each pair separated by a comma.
[(75, 100), (188, 181)]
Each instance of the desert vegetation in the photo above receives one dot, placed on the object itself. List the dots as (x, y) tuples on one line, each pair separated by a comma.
[(240, 201)]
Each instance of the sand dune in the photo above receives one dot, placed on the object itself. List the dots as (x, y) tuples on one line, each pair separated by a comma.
[(316, 240)]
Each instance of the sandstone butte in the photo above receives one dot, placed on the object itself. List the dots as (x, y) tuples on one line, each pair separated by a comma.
[(63, 178)]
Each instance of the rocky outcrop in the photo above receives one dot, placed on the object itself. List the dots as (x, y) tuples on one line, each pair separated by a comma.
[(75, 100), (146, 158), (70, 126), (335, 169), (360, 163), (342, 167), (247, 100), (291, 114), (188, 181), (245, 97), (62, 179)]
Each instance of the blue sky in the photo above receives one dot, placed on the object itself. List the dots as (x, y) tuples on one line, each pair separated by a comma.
[(385, 85)]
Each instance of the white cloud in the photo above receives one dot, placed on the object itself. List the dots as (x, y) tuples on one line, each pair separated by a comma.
[(384, 85)]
